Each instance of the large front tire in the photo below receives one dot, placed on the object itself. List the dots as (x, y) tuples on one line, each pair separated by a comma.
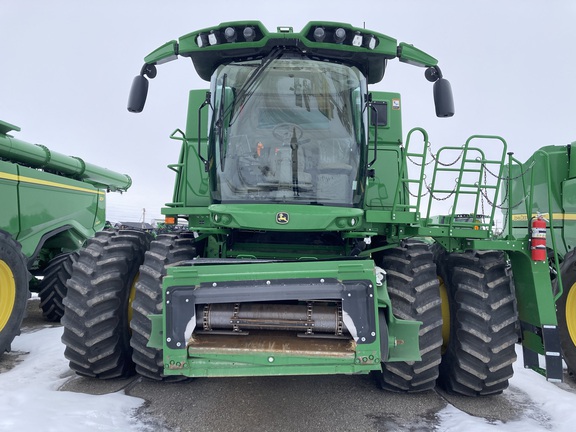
[(166, 250), (414, 291), (13, 290), (566, 307), (97, 305), (480, 350)]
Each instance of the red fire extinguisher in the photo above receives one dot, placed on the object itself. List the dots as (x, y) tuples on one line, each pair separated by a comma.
[(538, 239)]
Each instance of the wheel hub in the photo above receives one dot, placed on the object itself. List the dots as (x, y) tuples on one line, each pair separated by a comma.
[(570, 313), (445, 315), (7, 293)]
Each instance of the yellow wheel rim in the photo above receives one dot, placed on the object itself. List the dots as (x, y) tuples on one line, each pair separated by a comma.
[(445, 315), (571, 313), (7, 293)]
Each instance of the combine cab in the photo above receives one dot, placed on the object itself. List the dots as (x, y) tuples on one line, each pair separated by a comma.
[(305, 252), (51, 204)]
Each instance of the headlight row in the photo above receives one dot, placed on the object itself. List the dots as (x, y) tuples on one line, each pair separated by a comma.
[(320, 34)]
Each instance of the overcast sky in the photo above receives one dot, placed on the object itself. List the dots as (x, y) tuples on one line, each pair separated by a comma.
[(67, 66)]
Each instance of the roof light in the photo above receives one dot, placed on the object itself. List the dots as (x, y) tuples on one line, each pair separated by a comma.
[(357, 40), (230, 34), (339, 35), (319, 34), (202, 40), (371, 41), (249, 34), (213, 38)]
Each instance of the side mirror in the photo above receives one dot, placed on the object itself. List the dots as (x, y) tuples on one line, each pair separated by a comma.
[(443, 100), (138, 93), (139, 89)]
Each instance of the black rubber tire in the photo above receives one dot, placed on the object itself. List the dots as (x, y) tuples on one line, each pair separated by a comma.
[(52, 288), (566, 311), (167, 249), (96, 307), (478, 357), (14, 291), (414, 291)]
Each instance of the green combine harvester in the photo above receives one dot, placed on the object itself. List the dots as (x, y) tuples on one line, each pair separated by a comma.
[(305, 251), (51, 203), (545, 186)]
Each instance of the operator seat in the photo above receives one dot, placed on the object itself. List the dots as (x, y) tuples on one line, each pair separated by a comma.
[(334, 174)]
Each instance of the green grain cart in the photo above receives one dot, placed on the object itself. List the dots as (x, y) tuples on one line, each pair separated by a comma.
[(311, 246), (51, 204)]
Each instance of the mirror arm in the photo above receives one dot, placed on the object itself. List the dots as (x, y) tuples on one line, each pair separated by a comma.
[(433, 73), (148, 70)]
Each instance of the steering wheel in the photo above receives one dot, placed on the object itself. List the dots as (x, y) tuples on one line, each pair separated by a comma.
[(284, 132)]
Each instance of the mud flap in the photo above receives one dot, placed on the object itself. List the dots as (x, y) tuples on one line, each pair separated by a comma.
[(405, 340), (156, 332)]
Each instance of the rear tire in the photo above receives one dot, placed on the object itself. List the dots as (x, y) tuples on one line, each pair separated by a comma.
[(14, 290), (566, 307), (414, 291), (478, 357), (52, 288), (166, 250), (97, 305)]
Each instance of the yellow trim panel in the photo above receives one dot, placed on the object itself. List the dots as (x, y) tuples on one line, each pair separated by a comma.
[(31, 180), (556, 216)]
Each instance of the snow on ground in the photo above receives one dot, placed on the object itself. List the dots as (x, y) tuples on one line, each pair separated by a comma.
[(29, 400), (545, 406)]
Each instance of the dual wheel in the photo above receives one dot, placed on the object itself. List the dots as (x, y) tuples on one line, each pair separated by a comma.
[(468, 312), (115, 285)]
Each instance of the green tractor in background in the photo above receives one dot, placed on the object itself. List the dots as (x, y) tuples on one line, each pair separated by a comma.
[(51, 203), (305, 252)]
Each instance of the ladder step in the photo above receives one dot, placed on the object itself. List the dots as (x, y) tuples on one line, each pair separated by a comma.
[(552, 354)]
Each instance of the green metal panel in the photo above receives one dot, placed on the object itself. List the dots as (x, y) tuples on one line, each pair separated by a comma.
[(285, 217), (71, 203), (542, 185), (197, 178), (572, 158), (569, 204), (381, 188), (9, 220), (533, 289)]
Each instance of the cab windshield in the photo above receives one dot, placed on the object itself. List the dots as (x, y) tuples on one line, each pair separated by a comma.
[(289, 132)]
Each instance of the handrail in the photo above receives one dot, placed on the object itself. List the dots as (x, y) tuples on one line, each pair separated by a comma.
[(403, 177)]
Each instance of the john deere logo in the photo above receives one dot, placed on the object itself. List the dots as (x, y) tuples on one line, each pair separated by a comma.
[(282, 218)]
